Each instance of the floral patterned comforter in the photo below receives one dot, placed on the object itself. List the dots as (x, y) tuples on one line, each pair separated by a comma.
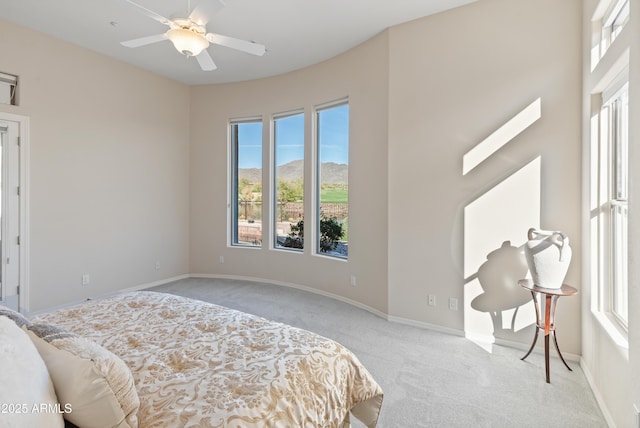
[(196, 364)]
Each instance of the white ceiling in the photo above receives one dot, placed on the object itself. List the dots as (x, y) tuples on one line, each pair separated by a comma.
[(297, 33)]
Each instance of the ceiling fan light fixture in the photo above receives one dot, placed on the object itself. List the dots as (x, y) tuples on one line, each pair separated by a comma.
[(187, 42)]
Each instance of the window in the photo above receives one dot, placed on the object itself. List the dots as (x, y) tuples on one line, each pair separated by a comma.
[(8, 89), (328, 223), (246, 182), (613, 208), (288, 172), (332, 187), (608, 20), (613, 21)]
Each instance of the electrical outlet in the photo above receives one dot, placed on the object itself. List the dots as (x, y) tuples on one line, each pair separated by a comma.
[(221, 259), (86, 279), (353, 280), (453, 303), (432, 300), (157, 265)]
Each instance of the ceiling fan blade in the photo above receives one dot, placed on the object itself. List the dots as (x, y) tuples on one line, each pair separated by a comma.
[(241, 45), (142, 41), (205, 10), (205, 61), (151, 14)]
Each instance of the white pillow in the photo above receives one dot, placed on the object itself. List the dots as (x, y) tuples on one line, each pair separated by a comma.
[(96, 383), (27, 396)]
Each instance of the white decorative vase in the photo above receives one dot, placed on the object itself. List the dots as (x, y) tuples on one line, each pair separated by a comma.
[(548, 255)]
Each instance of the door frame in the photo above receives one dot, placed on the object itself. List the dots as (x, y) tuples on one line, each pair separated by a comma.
[(23, 228)]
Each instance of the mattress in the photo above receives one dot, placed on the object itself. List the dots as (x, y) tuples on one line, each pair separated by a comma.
[(196, 364)]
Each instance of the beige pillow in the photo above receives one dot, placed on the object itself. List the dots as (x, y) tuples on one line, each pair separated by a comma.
[(27, 396), (96, 383)]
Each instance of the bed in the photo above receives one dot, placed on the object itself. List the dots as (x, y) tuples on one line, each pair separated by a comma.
[(196, 364)]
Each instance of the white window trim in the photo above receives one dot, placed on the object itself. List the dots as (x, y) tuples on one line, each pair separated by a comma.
[(315, 172), (12, 81), (603, 18), (231, 182), (601, 295), (272, 179)]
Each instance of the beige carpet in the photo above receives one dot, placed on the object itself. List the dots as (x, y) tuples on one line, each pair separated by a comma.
[(430, 379)]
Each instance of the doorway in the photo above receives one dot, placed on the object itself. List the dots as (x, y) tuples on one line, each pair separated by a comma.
[(12, 211)]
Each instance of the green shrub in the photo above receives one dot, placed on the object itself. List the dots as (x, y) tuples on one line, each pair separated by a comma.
[(331, 231)]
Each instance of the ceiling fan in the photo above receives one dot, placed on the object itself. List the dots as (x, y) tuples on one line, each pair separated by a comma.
[(189, 35)]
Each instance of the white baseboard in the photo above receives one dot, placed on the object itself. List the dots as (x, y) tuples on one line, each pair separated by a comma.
[(112, 293), (596, 393), (425, 325), (55, 308), (538, 349), (154, 283), (298, 287), (484, 339)]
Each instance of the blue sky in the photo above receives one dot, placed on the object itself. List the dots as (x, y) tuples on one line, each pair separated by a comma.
[(289, 139), (333, 129)]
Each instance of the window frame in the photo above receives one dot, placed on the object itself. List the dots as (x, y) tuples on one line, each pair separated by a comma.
[(613, 21), (232, 204), (317, 182), (10, 82), (612, 196), (608, 22), (274, 176)]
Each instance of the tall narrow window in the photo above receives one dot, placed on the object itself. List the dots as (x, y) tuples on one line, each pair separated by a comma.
[(332, 122), (613, 208), (246, 182), (288, 172), (619, 111)]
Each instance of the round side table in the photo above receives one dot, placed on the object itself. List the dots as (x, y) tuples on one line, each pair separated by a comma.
[(551, 296)]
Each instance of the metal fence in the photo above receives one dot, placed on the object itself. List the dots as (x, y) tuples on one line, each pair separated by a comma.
[(292, 211)]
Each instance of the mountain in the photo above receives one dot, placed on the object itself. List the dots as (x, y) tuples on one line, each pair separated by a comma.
[(291, 171), (254, 175), (334, 173), (331, 172)]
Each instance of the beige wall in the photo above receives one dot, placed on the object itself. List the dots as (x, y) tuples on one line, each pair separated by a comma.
[(417, 106), (612, 366), (361, 75), (109, 159), (443, 99), (128, 168), (455, 79)]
